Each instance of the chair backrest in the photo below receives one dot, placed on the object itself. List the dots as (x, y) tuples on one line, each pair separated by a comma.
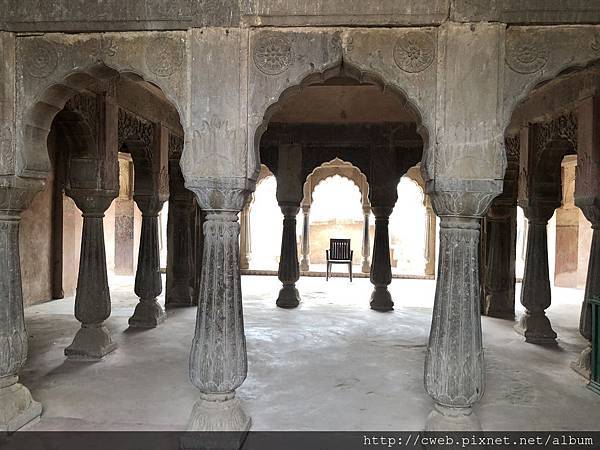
[(339, 249)]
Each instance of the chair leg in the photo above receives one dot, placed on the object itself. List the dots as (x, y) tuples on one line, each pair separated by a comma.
[(327, 275), (350, 270)]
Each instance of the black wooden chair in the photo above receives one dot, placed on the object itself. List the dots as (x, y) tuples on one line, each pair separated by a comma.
[(339, 253)]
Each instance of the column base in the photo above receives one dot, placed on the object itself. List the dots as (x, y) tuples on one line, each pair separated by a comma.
[(494, 303), (219, 412), (147, 314), (304, 265), (179, 298), (366, 267), (17, 407), (91, 343), (445, 418), (381, 299), (583, 364), (289, 297), (537, 329)]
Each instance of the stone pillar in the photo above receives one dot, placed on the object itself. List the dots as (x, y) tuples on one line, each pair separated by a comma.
[(218, 361), (454, 372), (17, 408), (381, 268), (366, 240), (535, 290), (92, 299), (180, 239), (500, 265), (289, 269), (592, 289), (245, 236), (148, 282), (305, 262), (587, 197)]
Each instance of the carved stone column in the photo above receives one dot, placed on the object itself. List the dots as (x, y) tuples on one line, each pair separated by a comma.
[(289, 269), (245, 236), (180, 239), (454, 372), (92, 299), (366, 240), (587, 198), (17, 408), (305, 262), (535, 290), (218, 361), (148, 283), (500, 270), (381, 268)]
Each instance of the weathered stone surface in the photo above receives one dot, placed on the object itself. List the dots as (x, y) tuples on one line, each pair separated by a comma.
[(454, 375), (17, 408), (218, 359), (92, 301)]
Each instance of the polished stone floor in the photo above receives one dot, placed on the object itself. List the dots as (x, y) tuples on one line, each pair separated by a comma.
[(331, 364)]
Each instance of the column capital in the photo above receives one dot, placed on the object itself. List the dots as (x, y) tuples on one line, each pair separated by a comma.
[(221, 195), (16, 195), (471, 198), (289, 209), (92, 202), (382, 212), (306, 209)]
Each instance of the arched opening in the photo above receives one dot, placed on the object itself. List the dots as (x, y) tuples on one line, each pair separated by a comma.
[(550, 141), (115, 142), (340, 116)]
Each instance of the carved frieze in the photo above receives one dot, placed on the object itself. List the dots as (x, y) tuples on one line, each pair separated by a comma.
[(87, 107), (272, 55), (526, 53), (175, 146), (40, 58), (512, 145), (414, 52), (134, 128), (164, 56), (563, 127)]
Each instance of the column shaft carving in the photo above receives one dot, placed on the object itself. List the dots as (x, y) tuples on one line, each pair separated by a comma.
[(381, 268), (17, 407), (305, 262), (218, 360), (454, 374), (289, 269), (366, 241), (454, 362)]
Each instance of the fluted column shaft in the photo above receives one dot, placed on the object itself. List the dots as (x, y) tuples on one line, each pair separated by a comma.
[(305, 262), (92, 299), (366, 241), (180, 250), (148, 282), (454, 365), (454, 360), (535, 290), (17, 408), (381, 268), (289, 269), (245, 237), (499, 279), (218, 361)]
